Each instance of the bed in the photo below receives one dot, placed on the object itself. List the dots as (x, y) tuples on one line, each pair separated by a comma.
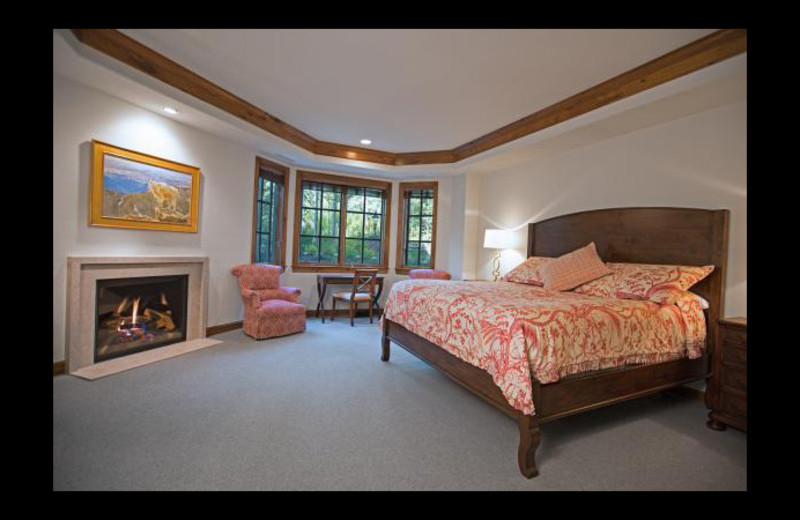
[(678, 236)]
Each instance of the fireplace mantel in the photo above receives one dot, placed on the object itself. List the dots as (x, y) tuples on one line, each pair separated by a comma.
[(83, 273)]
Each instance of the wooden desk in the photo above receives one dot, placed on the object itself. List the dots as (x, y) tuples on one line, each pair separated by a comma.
[(326, 279)]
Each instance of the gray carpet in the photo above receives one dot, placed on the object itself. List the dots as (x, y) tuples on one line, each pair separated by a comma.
[(320, 411)]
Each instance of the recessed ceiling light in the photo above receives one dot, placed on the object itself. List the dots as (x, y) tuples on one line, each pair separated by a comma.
[(366, 142), (170, 110)]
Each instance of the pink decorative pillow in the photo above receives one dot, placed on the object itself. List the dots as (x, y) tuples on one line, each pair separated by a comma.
[(573, 269), (662, 284), (528, 271), (605, 286)]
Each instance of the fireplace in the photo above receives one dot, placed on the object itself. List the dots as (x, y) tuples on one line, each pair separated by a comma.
[(137, 314), (167, 294)]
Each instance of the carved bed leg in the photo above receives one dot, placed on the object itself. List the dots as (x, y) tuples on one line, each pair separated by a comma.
[(385, 342), (528, 442)]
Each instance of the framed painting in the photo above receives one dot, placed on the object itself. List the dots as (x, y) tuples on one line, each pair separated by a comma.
[(137, 191)]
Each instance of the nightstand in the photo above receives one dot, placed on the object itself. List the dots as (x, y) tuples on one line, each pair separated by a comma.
[(729, 379)]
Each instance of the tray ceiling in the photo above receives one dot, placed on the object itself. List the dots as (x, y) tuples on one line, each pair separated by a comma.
[(408, 90)]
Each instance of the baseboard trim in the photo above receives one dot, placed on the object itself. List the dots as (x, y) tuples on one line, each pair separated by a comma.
[(59, 368), (310, 313), (225, 327)]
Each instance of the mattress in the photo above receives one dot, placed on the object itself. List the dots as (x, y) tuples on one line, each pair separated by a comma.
[(513, 330)]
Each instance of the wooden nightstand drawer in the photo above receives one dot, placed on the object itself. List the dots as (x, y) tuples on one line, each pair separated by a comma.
[(734, 379), (734, 405), (734, 335), (734, 354), (727, 388)]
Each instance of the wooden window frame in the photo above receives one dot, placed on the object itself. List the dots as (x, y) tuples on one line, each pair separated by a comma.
[(400, 267), (276, 171), (341, 180)]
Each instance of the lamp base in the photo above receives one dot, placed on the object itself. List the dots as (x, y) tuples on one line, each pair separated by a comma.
[(496, 266)]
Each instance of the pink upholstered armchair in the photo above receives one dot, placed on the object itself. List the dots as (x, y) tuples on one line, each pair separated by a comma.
[(433, 274), (269, 309)]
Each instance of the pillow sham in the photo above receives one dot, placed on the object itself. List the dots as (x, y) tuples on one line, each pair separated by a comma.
[(690, 298), (528, 271), (573, 269), (662, 284)]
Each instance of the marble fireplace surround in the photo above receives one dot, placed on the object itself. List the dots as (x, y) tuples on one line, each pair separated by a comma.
[(83, 273)]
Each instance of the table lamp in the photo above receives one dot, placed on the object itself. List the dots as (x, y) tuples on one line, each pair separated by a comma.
[(498, 239)]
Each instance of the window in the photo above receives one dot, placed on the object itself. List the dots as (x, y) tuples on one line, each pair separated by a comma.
[(269, 213), (416, 246), (342, 222)]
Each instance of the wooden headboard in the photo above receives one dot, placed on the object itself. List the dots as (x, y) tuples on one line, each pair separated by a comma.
[(678, 236)]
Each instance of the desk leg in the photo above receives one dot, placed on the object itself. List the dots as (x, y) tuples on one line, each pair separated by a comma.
[(321, 290)]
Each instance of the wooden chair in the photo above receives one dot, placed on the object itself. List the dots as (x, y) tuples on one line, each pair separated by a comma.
[(363, 291)]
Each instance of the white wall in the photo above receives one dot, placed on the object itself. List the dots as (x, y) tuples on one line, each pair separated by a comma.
[(695, 161), (81, 114)]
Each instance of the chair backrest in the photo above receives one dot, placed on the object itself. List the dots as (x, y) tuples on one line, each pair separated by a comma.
[(258, 276), (364, 282), (428, 274)]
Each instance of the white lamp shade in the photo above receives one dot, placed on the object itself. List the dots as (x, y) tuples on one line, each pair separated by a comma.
[(498, 239)]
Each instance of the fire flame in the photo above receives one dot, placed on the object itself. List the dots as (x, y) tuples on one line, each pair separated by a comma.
[(121, 306), (164, 299), (135, 309)]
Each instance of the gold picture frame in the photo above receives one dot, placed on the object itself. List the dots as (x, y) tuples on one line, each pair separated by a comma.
[(133, 190)]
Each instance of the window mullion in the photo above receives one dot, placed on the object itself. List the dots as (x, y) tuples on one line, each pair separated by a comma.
[(277, 225), (408, 228), (342, 226), (269, 220)]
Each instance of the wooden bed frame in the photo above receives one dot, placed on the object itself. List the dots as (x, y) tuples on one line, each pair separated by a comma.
[(678, 236)]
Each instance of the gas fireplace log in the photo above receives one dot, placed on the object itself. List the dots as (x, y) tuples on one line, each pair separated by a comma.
[(160, 307), (162, 319)]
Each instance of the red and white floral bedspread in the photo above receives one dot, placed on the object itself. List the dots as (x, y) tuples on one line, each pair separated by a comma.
[(512, 330)]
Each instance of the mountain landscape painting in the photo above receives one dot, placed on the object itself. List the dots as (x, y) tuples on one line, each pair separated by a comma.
[(143, 192)]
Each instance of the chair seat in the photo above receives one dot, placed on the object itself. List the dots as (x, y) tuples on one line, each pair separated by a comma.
[(348, 295), (281, 307)]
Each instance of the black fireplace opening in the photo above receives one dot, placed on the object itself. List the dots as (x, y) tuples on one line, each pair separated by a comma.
[(137, 314)]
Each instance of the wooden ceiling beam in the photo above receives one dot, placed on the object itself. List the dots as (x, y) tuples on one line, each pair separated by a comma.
[(715, 47), (130, 52), (711, 49), (354, 152)]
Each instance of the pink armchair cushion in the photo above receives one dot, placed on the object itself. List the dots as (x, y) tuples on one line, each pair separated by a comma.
[(263, 281), (290, 294), (279, 307), (431, 274), (269, 309)]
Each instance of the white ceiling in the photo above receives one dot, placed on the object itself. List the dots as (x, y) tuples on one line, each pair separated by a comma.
[(408, 90), (705, 89)]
